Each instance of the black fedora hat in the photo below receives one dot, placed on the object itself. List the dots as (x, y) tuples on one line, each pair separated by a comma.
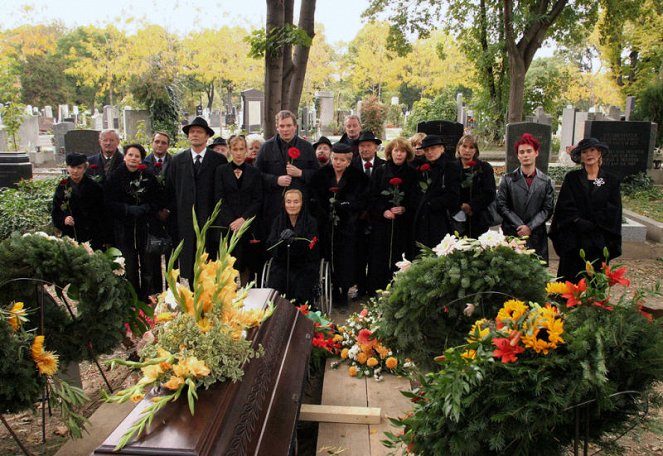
[(220, 141), (368, 136), (198, 122), (586, 144), (322, 140), (430, 141)]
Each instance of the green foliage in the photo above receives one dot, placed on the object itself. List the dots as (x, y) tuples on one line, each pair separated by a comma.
[(637, 183), (27, 207), (105, 301), (273, 42), (12, 118), (642, 196), (442, 107), (395, 116), (373, 115), (649, 106), (16, 364), (483, 406), (544, 83), (423, 315), (557, 173)]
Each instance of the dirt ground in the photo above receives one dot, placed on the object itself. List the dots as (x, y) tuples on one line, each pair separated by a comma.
[(646, 439)]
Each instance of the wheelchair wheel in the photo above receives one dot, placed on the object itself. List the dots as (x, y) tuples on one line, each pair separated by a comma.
[(264, 278), (325, 296)]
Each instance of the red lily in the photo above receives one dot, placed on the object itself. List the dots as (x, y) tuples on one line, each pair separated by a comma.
[(505, 350), (303, 309), (616, 276), (574, 293)]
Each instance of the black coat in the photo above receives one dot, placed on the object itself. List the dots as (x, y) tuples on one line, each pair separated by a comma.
[(151, 160), (96, 165), (588, 216), (352, 143), (477, 188), (380, 270), (186, 191), (520, 204), (349, 202), (85, 203), (295, 264), (358, 163), (436, 201), (241, 198), (272, 161)]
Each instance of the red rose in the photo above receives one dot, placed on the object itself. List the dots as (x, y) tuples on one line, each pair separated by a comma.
[(254, 241), (64, 181), (395, 181), (425, 167), (333, 189), (158, 165), (294, 153), (313, 242), (93, 166), (471, 163), (141, 167), (248, 160), (368, 165), (323, 159)]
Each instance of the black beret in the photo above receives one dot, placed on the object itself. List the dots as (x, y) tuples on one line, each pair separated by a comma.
[(341, 148), (75, 159)]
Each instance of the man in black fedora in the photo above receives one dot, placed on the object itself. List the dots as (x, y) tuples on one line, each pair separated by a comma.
[(220, 146), (190, 183), (367, 162)]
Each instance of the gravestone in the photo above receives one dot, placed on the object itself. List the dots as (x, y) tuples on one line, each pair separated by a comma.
[(215, 119), (45, 123), (459, 108), (450, 132), (48, 111), (541, 117), (63, 112), (132, 123), (14, 166), (28, 133), (97, 121), (59, 130), (253, 102), (326, 111), (614, 113), (568, 128), (630, 107), (111, 118), (630, 144), (540, 131), (82, 142)]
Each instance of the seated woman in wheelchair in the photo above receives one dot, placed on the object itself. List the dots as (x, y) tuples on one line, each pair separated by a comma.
[(293, 243)]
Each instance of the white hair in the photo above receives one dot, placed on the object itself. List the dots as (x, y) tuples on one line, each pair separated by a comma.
[(253, 138)]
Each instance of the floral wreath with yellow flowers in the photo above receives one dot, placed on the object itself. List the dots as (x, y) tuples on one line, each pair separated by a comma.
[(199, 337)]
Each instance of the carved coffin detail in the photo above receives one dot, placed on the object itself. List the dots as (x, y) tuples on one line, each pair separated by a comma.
[(256, 416)]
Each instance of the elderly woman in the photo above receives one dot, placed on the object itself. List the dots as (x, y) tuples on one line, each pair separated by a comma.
[(391, 207), (254, 142), (338, 194), (293, 243), (132, 196), (477, 187), (588, 214)]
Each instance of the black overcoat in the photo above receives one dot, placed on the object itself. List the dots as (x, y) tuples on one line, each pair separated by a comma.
[(477, 188), (588, 216), (272, 161), (96, 165), (241, 198), (380, 271), (520, 204), (349, 202), (85, 203), (185, 191), (441, 195)]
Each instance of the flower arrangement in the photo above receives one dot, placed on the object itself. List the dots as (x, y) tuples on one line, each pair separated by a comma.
[(200, 335), (326, 340), (515, 385), (435, 301), (362, 349)]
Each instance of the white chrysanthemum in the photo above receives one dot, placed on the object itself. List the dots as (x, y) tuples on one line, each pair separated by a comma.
[(446, 246), (491, 239), (403, 265)]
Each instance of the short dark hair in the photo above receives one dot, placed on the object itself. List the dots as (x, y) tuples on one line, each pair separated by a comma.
[(162, 133), (140, 148)]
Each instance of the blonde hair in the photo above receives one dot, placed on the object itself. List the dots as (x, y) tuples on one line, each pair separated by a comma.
[(416, 138), (285, 114), (399, 143), (235, 138), (471, 139), (294, 190)]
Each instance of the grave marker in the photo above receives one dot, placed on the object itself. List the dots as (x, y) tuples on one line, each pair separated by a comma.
[(540, 131)]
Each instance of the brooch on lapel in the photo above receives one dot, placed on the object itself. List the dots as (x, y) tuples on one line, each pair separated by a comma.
[(599, 181)]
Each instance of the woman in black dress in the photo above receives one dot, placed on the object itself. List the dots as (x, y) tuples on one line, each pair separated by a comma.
[(293, 244), (338, 195), (391, 207), (132, 196), (588, 214), (239, 185), (477, 187)]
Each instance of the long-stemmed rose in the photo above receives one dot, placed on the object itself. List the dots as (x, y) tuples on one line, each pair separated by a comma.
[(333, 216), (66, 202), (396, 199), (423, 184)]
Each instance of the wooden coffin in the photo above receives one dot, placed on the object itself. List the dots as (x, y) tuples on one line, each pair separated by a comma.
[(256, 416)]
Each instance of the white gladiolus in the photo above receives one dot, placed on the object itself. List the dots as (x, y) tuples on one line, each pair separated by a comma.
[(446, 246), (491, 239)]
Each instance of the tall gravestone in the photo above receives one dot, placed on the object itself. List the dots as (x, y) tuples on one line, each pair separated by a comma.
[(111, 118), (82, 142), (540, 131), (326, 111), (132, 123), (63, 112), (254, 105), (59, 130), (631, 145), (450, 132), (215, 119)]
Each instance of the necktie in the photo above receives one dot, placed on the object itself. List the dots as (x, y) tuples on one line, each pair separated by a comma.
[(197, 165), (159, 160), (367, 170)]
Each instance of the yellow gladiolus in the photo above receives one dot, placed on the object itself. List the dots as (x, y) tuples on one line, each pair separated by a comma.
[(174, 383), (164, 317), (181, 370), (151, 373), (17, 312), (197, 367), (137, 397)]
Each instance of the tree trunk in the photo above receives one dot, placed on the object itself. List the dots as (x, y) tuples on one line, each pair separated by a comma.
[(273, 68), (300, 59), (517, 72), (210, 95), (288, 66)]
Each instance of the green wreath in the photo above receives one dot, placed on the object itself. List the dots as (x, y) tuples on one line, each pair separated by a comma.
[(105, 300)]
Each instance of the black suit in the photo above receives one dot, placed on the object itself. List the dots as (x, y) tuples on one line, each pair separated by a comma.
[(96, 167), (151, 161), (241, 198), (186, 190)]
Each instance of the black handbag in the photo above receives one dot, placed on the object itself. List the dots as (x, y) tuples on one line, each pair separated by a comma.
[(158, 245)]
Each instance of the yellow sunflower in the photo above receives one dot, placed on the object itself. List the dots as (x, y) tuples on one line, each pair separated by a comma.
[(512, 310), (556, 288), (479, 330), (545, 336)]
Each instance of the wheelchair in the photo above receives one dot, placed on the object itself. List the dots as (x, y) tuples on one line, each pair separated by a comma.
[(321, 290)]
